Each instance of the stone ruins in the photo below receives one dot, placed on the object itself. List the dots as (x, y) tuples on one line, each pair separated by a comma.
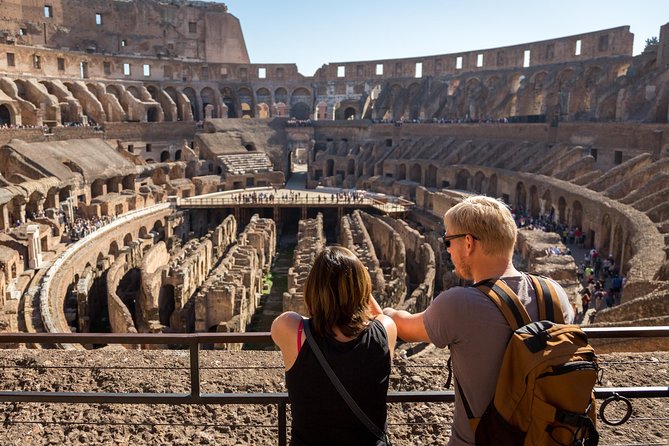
[(150, 173)]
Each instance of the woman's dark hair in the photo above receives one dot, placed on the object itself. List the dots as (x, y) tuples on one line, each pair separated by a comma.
[(337, 292)]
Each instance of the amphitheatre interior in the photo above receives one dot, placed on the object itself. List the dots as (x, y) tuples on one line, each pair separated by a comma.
[(153, 179)]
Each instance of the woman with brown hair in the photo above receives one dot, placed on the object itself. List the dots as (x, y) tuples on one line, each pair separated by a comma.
[(357, 341)]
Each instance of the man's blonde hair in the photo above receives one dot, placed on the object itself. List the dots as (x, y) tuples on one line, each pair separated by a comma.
[(488, 219)]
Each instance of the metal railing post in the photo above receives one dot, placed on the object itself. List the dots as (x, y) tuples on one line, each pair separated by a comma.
[(282, 424), (195, 369)]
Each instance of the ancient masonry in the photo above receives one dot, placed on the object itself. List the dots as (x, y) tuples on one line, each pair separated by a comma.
[(311, 241), (230, 295), (388, 274)]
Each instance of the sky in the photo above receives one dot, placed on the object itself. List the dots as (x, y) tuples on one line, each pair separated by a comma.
[(315, 32)]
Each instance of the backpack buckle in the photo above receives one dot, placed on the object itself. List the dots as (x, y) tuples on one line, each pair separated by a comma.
[(538, 341)]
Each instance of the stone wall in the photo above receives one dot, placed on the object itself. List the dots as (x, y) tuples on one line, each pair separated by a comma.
[(420, 265), (79, 256), (354, 236), (310, 241), (120, 317), (229, 297), (392, 259), (604, 43), (187, 269)]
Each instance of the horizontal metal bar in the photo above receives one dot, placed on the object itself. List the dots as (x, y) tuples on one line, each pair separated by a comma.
[(632, 392), (447, 396), (139, 338), (627, 332), (260, 337)]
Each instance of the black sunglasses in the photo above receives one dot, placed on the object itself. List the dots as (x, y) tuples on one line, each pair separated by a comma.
[(448, 238)]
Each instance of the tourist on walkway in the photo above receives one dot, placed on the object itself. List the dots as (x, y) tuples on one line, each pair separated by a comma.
[(357, 341)]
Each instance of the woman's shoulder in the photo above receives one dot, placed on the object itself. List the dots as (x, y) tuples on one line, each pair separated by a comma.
[(285, 324)]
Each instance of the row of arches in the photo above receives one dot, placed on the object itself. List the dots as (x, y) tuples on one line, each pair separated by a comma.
[(56, 103), (572, 91)]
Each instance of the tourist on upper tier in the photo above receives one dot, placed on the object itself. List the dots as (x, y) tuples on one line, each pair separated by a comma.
[(480, 236), (357, 341)]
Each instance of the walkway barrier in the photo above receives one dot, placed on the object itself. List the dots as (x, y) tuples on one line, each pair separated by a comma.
[(280, 399), (326, 200)]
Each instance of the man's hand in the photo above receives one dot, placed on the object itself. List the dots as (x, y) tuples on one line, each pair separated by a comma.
[(410, 327)]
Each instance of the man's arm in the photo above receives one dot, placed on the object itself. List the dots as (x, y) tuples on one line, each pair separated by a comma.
[(410, 327)]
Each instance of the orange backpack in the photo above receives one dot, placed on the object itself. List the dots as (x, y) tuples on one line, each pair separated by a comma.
[(544, 393)]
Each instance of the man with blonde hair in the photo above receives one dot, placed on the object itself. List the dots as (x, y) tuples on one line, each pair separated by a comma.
[(480, 234)]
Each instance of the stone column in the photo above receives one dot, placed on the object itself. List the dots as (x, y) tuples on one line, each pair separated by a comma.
[(34, 247)]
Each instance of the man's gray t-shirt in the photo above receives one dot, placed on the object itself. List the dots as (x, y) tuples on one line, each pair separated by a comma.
[(475, 329)]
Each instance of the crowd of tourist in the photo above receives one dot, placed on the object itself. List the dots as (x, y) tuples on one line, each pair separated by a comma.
[(400, 122), (292, 122), (81, 227), (44, 128), (293, 196), (600, 281)]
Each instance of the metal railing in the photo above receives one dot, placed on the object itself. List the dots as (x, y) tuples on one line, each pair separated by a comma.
[(280, 399), (325, 201)]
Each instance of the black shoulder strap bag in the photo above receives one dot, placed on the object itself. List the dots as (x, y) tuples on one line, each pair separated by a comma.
[(381, 435)]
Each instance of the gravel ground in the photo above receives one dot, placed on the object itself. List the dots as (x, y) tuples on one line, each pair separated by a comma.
[(165, 371)]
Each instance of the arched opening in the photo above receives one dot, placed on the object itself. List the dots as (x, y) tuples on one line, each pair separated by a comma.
[(166, 304), (127, 240), (281, 95), (264, 95), (177, 155), (521, 196), (128, 290), (152, 114), (164, 156), (159, 231), (478, 182), (113, 249), (300, 111), (228, 98), (208, 97), (462, 180), (402, 172), (349, 113), (562, 208), (329, 167), (416, 173), (250, 147), (299, 101), (350, 168), (98, 188), (5, 115)]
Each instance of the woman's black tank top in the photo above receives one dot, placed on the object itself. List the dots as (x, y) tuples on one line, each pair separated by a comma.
[(319, 414)]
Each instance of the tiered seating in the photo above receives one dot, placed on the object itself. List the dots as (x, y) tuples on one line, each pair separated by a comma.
[(243, 163)]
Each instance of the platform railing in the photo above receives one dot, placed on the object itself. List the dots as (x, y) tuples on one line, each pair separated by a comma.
[(280, 399)]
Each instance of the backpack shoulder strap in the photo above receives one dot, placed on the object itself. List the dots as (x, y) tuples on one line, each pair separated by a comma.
[(507, 301), (548, 301)]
